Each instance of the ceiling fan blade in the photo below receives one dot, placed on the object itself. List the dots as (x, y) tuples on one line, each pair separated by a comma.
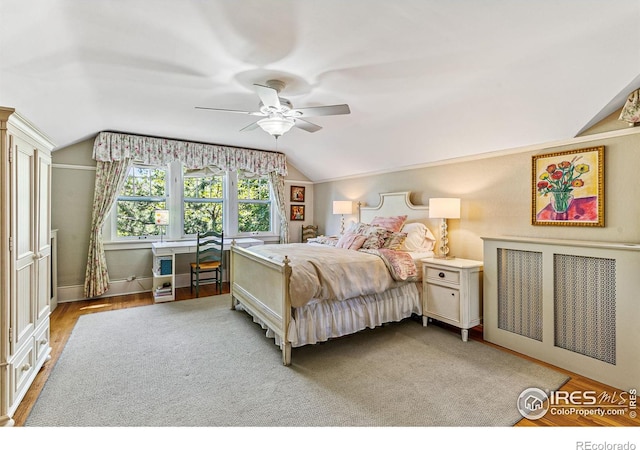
[(307, 126), (331, 110), (251, 126), (250, 113), (268, 96)]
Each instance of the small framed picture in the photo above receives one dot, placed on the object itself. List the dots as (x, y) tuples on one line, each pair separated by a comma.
[(297, 193), (297, 212)]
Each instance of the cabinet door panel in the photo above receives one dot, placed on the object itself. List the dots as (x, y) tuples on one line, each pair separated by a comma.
[(23, 292), (443, 302), (43, 232)]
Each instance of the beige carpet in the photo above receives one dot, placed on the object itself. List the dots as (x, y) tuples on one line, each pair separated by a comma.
[(198, 363)]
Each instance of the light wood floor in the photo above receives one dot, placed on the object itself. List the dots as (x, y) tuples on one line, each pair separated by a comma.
[(65, 316)]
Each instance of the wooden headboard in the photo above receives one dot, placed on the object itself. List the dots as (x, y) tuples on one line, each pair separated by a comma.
[(395, 204)]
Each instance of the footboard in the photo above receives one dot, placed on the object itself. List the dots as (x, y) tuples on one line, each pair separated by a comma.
[(261, 285)]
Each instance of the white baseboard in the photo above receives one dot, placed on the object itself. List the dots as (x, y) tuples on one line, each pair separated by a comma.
[(120, 287)]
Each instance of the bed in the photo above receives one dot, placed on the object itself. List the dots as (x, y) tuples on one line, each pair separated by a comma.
[(306, 293)]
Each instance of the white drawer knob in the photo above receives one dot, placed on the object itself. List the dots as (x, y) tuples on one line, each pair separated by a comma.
[(43, 341), (25, 367)]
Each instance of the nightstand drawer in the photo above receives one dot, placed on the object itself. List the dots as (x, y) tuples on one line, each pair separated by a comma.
[(448, 276)]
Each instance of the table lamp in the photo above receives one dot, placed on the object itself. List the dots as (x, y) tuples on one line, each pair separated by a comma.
[(444, 208), (162, 219), (342, 207)]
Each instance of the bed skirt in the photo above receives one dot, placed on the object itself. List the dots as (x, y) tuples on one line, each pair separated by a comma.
[(319, 321)]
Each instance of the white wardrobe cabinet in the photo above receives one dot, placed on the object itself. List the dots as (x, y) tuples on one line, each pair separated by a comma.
[(25, 257)]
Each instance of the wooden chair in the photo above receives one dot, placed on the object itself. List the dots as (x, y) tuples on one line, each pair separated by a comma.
[(209, 257), (309, 232)]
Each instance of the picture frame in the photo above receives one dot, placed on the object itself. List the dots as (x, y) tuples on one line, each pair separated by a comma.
[(297, 193), (297, 212), (568, 188)]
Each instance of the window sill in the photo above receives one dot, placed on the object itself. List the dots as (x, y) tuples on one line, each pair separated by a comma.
[(146, 243)]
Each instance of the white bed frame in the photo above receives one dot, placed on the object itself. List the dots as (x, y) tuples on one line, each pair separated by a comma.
[(261, 285)]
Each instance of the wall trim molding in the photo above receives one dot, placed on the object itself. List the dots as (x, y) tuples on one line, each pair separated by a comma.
[(73, 167), (298, 182)]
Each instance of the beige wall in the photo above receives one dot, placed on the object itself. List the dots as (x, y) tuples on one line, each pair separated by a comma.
[(72, 189), (495, 195)]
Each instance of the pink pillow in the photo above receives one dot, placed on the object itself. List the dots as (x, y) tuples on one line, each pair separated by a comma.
[(393, 223), (351, 241)]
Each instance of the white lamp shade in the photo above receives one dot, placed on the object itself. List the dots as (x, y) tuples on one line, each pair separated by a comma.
[(161, 217), (444, 208), (342, 207), (276, 126)]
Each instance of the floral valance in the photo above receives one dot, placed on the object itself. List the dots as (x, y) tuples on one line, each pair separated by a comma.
[(110, 146)]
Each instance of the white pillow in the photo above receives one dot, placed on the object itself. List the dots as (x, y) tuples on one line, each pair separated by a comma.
[(419, 238)]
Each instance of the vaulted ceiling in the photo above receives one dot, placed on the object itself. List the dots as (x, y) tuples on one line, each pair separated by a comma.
[(426, 80)]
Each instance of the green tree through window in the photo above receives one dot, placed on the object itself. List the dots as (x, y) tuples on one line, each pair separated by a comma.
[(144, 191), (254, 205), (197, 200), (203, 202)]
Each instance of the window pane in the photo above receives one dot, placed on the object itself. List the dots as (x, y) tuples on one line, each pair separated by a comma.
[(254, 217), (202, 216), (157, 181), (203, 202), (199, 186), (253, 189), (136, 218)]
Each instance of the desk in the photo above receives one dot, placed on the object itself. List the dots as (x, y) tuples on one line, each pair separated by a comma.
[(164, 263), (178, 247)]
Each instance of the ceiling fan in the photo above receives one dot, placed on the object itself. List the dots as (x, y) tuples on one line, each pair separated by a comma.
[(279, 114)]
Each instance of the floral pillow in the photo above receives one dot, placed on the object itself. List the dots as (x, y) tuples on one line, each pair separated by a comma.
[(393, 223), (358, 228), (375, 237), (394, 241), (351, 241)]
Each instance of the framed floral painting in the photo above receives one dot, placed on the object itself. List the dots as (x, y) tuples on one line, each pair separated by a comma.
[(568, 188)]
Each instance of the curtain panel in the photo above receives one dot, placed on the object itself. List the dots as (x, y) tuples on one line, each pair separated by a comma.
[(110, 147), (110, 178)]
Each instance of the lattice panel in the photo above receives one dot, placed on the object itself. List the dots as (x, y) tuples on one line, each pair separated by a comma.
[(520, 292), (585, 305)]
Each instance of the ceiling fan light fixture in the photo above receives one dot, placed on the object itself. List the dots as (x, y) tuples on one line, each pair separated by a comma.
[(276, 126)]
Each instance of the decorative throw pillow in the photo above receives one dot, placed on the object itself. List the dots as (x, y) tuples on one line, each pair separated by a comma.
[(393, 223), (394, 241), (419, 238), (358, 228), (375, 237), (351, 241)]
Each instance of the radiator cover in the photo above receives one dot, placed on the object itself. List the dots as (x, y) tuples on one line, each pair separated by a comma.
[(572, 304)]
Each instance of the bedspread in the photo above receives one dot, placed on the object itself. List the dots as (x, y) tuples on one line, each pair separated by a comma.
[(328, 273)]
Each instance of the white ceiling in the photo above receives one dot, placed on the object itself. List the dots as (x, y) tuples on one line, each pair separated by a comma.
[(426, 80)]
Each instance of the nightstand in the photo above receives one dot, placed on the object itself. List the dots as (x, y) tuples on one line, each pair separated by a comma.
[(452, 292)]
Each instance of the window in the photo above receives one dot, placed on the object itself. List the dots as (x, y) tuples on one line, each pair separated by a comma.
[(197, 200), (144, 191), (203, 202), (254, 205)]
